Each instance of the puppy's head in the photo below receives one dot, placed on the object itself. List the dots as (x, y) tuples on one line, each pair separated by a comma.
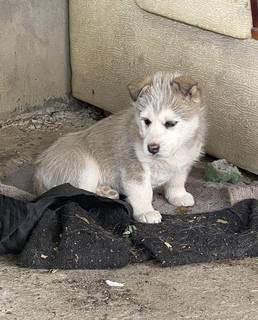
[(168, 109)]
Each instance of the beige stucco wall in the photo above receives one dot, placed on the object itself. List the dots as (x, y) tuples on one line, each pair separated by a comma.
[(34, 62), (117, 41), (232, 18)]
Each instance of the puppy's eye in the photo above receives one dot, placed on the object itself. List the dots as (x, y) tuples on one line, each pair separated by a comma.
[(170, 124), (147, 121)]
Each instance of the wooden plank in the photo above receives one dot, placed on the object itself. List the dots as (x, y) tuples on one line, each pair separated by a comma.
[(255, 33), (254, 6)]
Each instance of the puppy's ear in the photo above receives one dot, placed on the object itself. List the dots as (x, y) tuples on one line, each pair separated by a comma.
[(195, 93), (139, 87), (188, 87)]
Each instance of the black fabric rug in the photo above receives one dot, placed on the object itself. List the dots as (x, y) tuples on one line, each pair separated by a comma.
[(69, 228)]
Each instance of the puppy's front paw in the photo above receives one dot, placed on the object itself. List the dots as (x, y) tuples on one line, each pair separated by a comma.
[(149, 217), (184, 200)]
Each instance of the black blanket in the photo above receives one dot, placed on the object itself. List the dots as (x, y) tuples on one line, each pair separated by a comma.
[(70, 228)]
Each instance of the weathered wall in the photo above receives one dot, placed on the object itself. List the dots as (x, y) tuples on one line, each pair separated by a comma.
[(123, 42), (232, 18), (34, 61)]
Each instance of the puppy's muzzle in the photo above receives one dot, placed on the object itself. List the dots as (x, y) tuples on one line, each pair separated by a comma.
[(153, 148)]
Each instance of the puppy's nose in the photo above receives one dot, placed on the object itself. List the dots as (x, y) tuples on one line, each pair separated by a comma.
[(153, 148)]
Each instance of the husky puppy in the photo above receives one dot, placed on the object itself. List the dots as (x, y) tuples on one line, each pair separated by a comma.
[(153, 143)]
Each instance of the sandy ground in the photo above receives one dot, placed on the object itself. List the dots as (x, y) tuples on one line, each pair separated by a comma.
[(227, 290)]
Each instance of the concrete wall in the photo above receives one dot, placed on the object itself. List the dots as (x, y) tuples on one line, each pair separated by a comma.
[(34, 59)]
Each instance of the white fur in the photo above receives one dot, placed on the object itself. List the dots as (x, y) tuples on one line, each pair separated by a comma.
[(90, 176), (140, 196)]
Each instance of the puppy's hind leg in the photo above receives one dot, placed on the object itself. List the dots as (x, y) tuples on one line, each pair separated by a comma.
[(107, 192), (90, 176)]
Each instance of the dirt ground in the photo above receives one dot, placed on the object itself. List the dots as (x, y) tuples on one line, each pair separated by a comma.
[(226, 291)]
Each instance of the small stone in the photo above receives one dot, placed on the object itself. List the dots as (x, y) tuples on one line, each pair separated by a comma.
[(222, 171)]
